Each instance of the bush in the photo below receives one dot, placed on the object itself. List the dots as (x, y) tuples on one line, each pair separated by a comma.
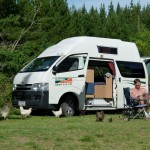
[(6, 89)]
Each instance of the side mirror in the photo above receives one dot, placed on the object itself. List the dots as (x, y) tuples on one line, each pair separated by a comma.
[(54, 70)]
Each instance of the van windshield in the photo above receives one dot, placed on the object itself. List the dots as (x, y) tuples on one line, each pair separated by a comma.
[(40, 64)]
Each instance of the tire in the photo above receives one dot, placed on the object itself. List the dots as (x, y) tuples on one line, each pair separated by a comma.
[(68, 106)]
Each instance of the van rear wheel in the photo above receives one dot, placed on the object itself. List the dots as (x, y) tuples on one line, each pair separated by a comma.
[(68, 106)]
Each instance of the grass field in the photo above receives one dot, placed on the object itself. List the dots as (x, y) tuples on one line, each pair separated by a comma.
[(73, 133)]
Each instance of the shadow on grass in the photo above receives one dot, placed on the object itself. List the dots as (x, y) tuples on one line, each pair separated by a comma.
[(42, 112), (2, 119), (14, 117)]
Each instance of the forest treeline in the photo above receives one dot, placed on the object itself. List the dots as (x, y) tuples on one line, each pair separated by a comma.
[(27, 27)]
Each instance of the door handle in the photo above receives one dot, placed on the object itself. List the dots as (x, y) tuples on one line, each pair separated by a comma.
[(119, 79), (81, 75)]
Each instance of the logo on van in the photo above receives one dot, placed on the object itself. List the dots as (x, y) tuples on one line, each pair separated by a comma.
[(63, 81)]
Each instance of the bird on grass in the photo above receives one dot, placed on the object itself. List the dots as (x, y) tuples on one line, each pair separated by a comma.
[(147, 115), (110, 120), (25, 112), (4, 111), (100, 116), (57, 113), (126, 119)]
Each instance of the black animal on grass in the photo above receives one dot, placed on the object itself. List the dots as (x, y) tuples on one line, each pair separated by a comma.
[(110, 120), (100, 116)]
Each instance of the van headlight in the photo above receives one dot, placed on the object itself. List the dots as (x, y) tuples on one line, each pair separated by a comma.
[(40, 87), (14, 87)]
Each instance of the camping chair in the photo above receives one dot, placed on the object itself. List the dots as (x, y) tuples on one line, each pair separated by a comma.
[(133, 108)]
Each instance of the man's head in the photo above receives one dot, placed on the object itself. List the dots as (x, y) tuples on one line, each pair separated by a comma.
[(137, 83)]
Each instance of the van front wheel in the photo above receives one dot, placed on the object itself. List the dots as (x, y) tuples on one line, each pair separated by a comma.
[(68, 106)]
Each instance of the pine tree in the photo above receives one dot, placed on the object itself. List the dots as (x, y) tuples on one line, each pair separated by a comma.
[(93, 22), (112, 23), (7, 7), (102, 15), (145, 16)]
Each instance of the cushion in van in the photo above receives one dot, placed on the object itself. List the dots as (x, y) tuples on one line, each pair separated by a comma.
[(99, 83), (89, 88)]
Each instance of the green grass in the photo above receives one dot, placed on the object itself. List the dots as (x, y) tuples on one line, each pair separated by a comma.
[(73, 133)]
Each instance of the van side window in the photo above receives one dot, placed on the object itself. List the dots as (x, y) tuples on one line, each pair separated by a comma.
[(107, 50), (131, 69), (71, 63)]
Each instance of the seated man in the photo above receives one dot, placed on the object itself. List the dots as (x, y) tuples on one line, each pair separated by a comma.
[(139, 93)]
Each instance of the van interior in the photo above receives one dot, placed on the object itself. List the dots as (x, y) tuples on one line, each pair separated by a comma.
[(99, 80)]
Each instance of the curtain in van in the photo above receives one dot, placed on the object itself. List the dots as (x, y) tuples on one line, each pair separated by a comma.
[(112, 67)]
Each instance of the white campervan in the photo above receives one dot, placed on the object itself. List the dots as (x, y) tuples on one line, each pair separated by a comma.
[(80, 73)]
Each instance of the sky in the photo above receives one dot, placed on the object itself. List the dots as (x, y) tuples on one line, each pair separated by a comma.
[(97, 3)]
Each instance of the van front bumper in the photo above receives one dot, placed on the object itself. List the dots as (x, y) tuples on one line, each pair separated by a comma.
[(36, 100)]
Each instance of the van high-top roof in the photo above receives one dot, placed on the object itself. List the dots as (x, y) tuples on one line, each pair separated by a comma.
[(85, 44)]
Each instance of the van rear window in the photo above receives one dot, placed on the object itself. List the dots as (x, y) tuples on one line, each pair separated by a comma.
[(131, 69), (147, 63)]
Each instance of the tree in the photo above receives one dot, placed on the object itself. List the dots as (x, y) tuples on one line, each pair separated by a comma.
[(112, 23), (102, 20), (75, 25), (94, 23), (59, 16), (142, 40), (145, 16), (7, 7)]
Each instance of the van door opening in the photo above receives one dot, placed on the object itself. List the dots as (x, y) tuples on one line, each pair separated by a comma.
[(99, 83)]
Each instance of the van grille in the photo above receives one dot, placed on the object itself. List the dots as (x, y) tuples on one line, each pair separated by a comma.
[(24, 87), (22, 97)]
